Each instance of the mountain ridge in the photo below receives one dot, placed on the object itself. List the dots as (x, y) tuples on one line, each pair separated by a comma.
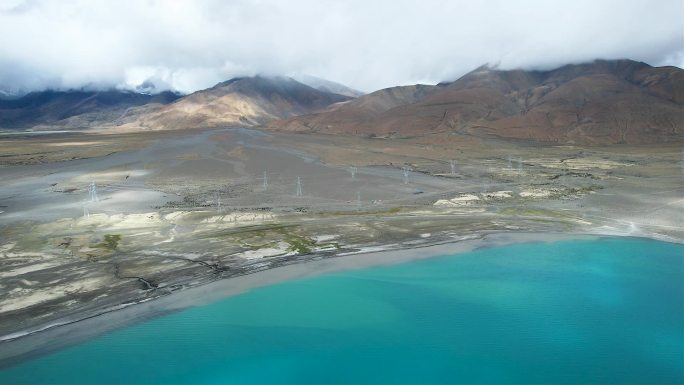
[(244, 101), (48, 107), (602, 102)]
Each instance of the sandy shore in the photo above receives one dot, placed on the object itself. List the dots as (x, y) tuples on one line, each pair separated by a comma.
[(24, 345)]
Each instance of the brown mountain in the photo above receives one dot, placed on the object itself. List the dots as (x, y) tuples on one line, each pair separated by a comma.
[(245, 101), (239, 102), (355, 115), (75, 108), (603, 102)]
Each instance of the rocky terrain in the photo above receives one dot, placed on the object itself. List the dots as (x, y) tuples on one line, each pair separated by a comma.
[(604, 102)]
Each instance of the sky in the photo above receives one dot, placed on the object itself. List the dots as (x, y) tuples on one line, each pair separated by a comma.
[(187, 45)]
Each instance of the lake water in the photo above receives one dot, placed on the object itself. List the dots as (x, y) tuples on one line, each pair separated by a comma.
[(586, 311)]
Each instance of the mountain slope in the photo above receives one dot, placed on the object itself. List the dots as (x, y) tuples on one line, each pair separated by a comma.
[(602, 102), (349, 116), (241, 101), (76, 108)]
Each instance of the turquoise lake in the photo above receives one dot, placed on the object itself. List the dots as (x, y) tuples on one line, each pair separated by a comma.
[(606, 311)]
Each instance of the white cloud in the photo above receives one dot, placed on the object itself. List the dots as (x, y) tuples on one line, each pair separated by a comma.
[(190, 44)]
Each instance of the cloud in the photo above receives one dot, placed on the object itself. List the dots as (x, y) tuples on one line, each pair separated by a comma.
[(189, 44)]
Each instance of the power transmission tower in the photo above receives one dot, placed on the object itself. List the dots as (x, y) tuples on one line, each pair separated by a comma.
[(405, 172), (265, 181), (299, 187), (92, 192)]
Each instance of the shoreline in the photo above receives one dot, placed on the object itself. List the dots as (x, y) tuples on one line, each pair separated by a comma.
[(163, 256), (24, 345)]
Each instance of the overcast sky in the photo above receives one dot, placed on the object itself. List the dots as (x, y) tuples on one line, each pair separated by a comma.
[(368, 45)]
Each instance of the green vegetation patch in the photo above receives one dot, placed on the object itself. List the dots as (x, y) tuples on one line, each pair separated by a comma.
[(111, 241), (299, 244), (585, 189)]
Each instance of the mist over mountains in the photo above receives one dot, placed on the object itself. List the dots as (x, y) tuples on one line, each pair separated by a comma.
[(602, 102), (191, 45)]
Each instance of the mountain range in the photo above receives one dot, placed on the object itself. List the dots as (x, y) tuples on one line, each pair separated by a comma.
[(75, 108), (603, 102), (249, 101)]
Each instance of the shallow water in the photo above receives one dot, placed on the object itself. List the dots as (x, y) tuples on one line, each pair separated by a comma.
[(568, 312)]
